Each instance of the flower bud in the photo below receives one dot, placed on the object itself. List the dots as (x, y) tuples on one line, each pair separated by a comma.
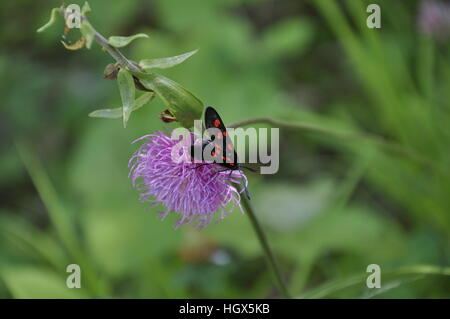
[(167, 117), (111, 71)]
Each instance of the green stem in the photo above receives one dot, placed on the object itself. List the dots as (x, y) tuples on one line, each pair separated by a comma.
[(358, 136), (115, 53), (265, 246)]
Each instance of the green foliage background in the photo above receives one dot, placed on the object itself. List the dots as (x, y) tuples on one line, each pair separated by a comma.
[(336, 205)]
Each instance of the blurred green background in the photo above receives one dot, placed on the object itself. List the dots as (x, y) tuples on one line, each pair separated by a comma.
[(336, 205)]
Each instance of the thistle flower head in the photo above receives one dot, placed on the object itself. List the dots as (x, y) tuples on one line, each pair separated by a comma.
[(197, 194), (434, 18)]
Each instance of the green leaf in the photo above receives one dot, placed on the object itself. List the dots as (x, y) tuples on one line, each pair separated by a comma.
[(164, 63), (86, 8), (88, 33), (389, 279), (119, 42), (118, 112), (28, 282), (59, 215), (183, 104), (127, 93), (27, 240), (54, 14), (290, 36)]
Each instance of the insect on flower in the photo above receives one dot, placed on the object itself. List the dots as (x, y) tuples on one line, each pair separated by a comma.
[(197, 195), (219, 147)]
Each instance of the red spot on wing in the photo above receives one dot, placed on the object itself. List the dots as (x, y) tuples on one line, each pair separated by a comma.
[(216, 123), (225, 133)]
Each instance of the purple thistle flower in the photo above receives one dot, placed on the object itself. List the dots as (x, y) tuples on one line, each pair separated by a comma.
[(434, 18), (196, 194)]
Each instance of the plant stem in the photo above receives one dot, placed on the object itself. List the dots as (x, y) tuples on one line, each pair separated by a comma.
[(373, 139), (265, 246), (115, 53)]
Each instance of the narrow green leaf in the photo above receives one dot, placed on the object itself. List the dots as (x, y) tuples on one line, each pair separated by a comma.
[(119, 42), (115, 113), (88, 33), (54, 14), (58, 213), (19, 234), (34, 282), (86, 8), (390, 279), (127, 93), (183, 104), (118, 112), (60, 217), (164, 63)]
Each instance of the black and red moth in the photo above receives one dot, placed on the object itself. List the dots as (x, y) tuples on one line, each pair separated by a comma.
[(222, 149)]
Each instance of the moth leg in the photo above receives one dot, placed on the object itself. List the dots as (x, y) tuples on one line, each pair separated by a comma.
[(202, 165), (222, 170)]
